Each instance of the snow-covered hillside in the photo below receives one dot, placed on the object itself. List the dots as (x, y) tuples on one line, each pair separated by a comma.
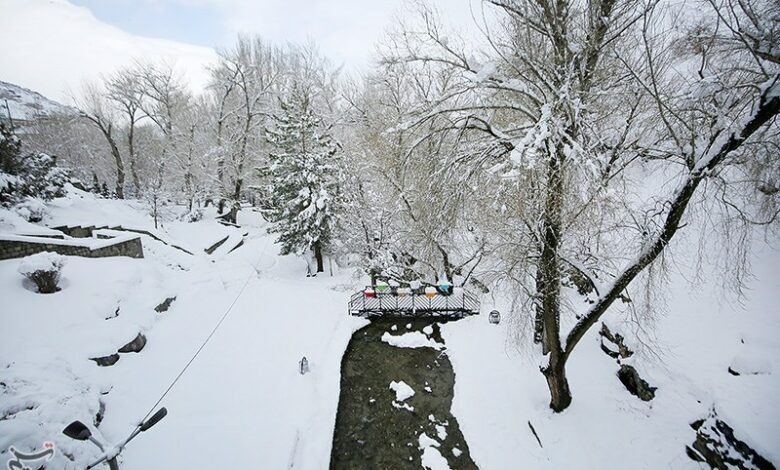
[(57, 38), (24, 104), (700, 334), (243, 401)]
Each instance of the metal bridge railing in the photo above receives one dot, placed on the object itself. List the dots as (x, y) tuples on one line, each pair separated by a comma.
[(457, 303)]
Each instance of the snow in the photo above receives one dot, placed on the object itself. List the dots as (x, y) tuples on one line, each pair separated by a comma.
[(403, 406), (752, 364), (441, 431), (45, 261), (243, 388), (499, 390), (402, 390), (402, 393), (25, 104), (12, 222), (412, 339), (425, 441), (80, 47), (431, 457)]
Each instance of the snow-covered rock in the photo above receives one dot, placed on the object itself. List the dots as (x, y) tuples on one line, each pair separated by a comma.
[(412, 339), (402, 390)]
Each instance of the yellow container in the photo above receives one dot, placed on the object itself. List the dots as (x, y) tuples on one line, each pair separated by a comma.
[(430, 292)]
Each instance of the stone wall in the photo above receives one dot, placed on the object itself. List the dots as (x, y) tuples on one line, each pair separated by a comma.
[(77, 232), (18, 249), (87, 232)]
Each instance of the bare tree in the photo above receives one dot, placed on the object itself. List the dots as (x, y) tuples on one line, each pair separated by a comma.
[(124, 91), (245, 84), (95, 109), (568, 97)]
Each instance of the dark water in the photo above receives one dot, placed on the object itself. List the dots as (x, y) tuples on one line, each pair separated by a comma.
[(373, 434)]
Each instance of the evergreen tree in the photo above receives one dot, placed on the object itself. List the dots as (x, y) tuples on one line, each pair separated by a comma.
[(10, 152), (304, 179), (23, 176)]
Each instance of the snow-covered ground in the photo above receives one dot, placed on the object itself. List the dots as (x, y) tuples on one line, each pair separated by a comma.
[(243, 403), (699, 334)]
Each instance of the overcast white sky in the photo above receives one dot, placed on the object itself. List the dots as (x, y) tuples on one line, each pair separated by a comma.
[(345, 29), (53, 46)]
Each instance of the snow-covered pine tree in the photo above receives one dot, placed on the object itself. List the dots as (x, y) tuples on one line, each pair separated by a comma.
[(305, 171)]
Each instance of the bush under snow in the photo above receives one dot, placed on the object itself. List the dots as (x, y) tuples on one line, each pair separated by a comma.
[(193, 215), (44, 270), (31, 209)]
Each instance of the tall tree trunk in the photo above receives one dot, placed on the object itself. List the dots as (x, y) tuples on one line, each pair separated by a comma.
[(120, 167), (555, 371), (549, 288), (233, 215), (188, 174), (133, 162), (318, 256), (107, 131)]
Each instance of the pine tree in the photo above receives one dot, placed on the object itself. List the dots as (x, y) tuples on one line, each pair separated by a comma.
[(10, 152), (304, 179), (34, 175)]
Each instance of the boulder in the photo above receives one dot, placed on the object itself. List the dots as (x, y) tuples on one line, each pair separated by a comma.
[(165, 305), (105, 361), (635, 384), (136, 345), (717, 446)]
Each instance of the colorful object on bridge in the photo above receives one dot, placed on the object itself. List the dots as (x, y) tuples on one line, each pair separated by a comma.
[(403, 291), (430, 292), (382, 288), (494, 317), (368, 303), (445, 288)]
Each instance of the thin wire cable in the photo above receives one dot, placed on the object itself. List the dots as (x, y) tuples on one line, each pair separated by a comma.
[(219, 323)]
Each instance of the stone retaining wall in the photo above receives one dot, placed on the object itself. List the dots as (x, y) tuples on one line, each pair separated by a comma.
[(21, 248), (86, 232)]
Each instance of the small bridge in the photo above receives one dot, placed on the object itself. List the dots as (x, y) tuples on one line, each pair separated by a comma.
[(394, 302)]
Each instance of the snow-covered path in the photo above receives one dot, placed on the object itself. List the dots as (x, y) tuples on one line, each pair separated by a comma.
[(243, 400)]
